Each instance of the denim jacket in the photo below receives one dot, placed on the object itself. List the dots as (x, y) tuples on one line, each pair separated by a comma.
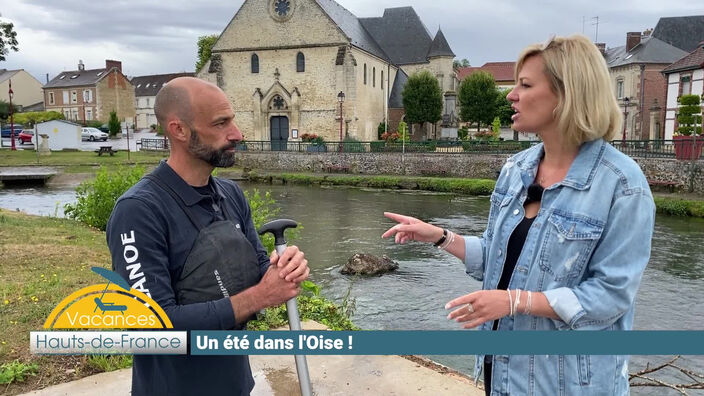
[(586, 251)]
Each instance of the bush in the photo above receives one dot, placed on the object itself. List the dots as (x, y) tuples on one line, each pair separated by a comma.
[(463, 133), (377, 147), (352, 145), (114, 124), (263, 210), (96, 198), (94, 124), (381, 129), (689, 117)]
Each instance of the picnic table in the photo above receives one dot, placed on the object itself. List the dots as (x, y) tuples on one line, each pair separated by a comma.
[(106, 150)]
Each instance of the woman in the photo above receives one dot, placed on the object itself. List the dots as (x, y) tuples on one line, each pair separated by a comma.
[(569, 228)]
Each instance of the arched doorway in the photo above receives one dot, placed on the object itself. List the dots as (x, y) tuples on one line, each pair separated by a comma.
[(278, 129)]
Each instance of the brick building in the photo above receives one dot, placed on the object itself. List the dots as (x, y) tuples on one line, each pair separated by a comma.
[(639, 86), (145, 90), (84, 95)]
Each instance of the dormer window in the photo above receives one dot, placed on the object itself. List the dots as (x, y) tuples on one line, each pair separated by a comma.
[(74, 76), (99, 74), (62, 77), (147, 86), (139, 85)]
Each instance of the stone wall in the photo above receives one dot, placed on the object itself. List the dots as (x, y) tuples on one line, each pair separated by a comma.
[(454, 165)]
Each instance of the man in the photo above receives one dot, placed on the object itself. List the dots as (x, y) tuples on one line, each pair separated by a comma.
[(187, 240)]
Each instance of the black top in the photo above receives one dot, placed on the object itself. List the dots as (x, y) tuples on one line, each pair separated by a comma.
[(513, 251), (150, 220)]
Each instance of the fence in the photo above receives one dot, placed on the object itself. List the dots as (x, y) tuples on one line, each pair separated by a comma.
[(633, 148)]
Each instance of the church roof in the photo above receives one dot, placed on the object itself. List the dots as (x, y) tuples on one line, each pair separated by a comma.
[(352, 27), (401, 34), (683, 32), (439, 46), (396, 99)]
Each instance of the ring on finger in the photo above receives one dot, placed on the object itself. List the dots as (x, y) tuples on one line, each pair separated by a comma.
[(470, 308)]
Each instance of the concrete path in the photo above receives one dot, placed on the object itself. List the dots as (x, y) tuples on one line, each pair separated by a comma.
[(330, 375)]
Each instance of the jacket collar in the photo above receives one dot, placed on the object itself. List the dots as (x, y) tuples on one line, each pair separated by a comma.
[(581, 172), (172, 179)]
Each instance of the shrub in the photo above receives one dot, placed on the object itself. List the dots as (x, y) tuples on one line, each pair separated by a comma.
[(114, 124), (352, 145), (263, 210), (16, 371), (463, 133), (94, 123), (96, 198), (381, 129), (689, 116), (377, 147)]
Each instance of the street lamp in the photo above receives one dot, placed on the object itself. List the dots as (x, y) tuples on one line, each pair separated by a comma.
[(626, 101), (341, 99), (12, 123)]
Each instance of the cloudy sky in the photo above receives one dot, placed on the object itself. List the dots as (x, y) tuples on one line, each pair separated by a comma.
[(152, 37)]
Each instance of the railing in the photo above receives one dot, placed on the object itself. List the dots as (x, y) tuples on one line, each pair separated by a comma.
[(153, 144), (633, 148)]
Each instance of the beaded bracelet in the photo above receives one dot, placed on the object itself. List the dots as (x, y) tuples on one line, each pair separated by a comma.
[(442, 238)]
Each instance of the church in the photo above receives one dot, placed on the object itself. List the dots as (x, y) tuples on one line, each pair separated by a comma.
[(294, 67)]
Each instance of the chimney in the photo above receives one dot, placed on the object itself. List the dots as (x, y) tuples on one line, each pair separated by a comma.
[(47, 78), (81, 66), (632, 39), (113, 63), (601, 47)]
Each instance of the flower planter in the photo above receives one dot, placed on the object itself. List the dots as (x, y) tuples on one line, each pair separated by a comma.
[(317, 149), (688, 147)]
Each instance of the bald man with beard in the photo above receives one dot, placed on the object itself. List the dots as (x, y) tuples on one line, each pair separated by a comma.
[(198, 253)]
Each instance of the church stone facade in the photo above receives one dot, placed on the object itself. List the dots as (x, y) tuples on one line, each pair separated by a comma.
[(283, 64)]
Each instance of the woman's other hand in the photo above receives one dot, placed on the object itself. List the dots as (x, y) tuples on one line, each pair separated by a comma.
[(411, 229), (479, 307)]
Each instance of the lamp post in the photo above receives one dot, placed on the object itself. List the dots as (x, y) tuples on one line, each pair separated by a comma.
[(12, 123), (626, 101), (341, 99)]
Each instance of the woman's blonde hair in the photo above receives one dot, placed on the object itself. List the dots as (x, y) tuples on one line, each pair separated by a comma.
[(587, 109)]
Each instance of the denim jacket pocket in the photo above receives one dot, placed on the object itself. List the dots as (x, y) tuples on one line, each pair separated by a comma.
[(568, 244), (498, 200)]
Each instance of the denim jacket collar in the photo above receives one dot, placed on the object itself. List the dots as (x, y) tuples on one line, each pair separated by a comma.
[(581, 172)]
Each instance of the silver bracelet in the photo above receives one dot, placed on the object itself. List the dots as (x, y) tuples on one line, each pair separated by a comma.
[(510, 303), (517, 302), (529, 303), (448, 241)]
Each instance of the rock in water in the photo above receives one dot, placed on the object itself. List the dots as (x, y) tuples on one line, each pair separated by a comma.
[(366, 264)]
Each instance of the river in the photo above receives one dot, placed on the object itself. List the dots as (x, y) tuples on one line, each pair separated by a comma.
[(338, 222)]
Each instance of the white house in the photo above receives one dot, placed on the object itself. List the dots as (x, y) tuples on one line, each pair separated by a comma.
[(684, 77), (62, 134)]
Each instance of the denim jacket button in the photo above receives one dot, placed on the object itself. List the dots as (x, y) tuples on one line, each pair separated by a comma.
[(516, 212), (500, 252)]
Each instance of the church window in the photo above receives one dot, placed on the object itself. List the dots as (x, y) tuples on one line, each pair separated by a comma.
[(278, 103), (373, 76), (300, 62), (381, 82), (255, 63), (282, 7), (365, 74)]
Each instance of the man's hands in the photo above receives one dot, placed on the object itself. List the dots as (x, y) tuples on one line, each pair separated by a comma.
[(279, 284), (292, 264)]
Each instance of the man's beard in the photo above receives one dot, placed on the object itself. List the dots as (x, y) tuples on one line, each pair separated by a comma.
[(219, 158)]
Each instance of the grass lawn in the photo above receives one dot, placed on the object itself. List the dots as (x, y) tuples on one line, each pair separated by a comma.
[(42, 261), (77, 158)]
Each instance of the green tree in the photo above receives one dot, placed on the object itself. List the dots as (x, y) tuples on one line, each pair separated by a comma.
[(205, 46), (478, 97), (8, 39), (114, 124), (503, 107), (5, 109), (31, 118), (422, 98), (460, 63)]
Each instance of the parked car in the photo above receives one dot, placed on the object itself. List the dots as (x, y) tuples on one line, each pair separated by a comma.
[(104, 128), (93, 134), (7, 132), (26, 136)]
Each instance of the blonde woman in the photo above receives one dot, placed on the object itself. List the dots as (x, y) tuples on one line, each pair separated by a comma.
[(569, 228)]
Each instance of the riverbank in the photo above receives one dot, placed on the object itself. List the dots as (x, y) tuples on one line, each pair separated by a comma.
[(666, 203)]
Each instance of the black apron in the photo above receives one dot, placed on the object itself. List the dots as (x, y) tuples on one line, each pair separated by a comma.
[(222, 262)]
